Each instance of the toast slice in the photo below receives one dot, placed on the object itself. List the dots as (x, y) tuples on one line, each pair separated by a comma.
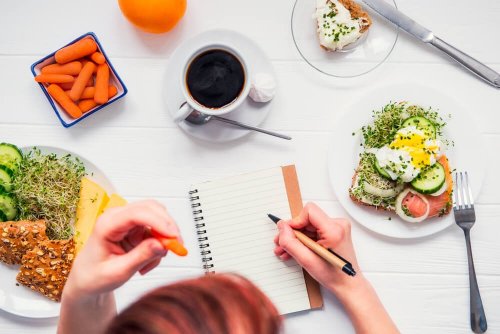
[(45, 268), (18, 238), (358, 13)]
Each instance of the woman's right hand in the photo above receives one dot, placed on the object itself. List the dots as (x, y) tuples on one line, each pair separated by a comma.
[(333, 233), (356, 294)]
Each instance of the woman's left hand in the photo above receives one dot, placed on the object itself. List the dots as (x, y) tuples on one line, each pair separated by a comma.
[(120, 246)]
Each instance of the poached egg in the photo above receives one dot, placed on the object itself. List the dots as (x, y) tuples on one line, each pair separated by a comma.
[(408, 154)]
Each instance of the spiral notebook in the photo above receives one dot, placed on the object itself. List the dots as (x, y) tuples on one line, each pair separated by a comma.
[(235, 234)]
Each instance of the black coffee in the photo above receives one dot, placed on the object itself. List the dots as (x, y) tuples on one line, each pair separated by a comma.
[(215, 78)]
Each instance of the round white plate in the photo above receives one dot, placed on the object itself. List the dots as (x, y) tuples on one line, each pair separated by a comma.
[(361, 57), (466, 155), (249, 112), (20, 300)]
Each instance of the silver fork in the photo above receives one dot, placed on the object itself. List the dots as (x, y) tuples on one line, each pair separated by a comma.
[(465, 217)]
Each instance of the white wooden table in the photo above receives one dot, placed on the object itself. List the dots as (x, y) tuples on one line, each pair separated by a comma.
[(424, 283)]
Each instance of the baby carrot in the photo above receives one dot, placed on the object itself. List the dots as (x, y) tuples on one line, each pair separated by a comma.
[(81, 81), (112, 90), (81, 48), (88, 92), (64, 101), (98, 58), (86, 105), (68, 85), (54, 78), (72, 68), (172, 244), (85, 61), (101, 84)]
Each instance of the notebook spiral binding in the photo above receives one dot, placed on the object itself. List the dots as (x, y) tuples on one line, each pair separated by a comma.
[(201, 232)]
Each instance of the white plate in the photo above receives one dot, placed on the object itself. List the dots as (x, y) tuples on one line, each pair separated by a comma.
[(20, 300), (466, 155), (249, 112)]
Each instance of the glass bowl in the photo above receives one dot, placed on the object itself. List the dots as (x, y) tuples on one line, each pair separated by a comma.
[(359, 58)]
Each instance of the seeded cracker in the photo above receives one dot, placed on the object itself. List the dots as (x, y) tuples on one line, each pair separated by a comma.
[(17, 238), (45, 269)]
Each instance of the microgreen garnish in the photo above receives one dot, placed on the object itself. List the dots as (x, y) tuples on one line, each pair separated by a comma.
[(47, 187)]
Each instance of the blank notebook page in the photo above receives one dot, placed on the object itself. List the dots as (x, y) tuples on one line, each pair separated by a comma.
[(240, 235)]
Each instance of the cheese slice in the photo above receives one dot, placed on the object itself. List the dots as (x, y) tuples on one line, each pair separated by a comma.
[(93, 199), (115, 201)]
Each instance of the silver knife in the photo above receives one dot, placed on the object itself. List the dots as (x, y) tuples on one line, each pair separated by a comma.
[(425, 35)]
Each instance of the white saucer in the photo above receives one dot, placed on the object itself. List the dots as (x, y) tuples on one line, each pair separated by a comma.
[(250, 112)]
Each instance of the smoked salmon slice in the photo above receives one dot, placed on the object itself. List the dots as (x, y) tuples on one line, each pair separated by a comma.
[(415, 205), (438, 205), (441, 205)]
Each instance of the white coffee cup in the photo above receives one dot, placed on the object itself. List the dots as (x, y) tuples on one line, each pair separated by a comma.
[(186, 108)]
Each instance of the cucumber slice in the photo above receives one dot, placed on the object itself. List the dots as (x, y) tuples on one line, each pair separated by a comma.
[(10, 156), (3, 217), (5, 178), (430, 180), (422, 124), (8, 206), (380, 170)]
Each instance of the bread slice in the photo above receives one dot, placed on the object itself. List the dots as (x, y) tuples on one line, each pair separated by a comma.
[(45, 268), (357, 13), (18, 238)]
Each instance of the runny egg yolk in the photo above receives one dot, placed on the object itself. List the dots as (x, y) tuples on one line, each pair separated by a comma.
[(422, 150)]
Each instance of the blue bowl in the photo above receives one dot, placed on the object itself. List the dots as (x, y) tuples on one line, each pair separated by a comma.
[(114, 79)]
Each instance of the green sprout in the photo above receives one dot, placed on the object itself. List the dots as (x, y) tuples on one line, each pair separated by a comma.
[(47, 187)]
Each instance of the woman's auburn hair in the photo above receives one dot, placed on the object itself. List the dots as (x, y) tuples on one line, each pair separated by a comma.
[(213, 304)]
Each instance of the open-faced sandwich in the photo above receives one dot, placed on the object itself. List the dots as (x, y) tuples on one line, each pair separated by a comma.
[(340, 23), (403, 167)]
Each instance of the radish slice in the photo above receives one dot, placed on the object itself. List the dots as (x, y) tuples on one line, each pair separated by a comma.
[(441, 190), (391, 192), (399, 206)]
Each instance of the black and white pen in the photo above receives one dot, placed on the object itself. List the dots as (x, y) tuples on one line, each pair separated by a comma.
[(326, 253)]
